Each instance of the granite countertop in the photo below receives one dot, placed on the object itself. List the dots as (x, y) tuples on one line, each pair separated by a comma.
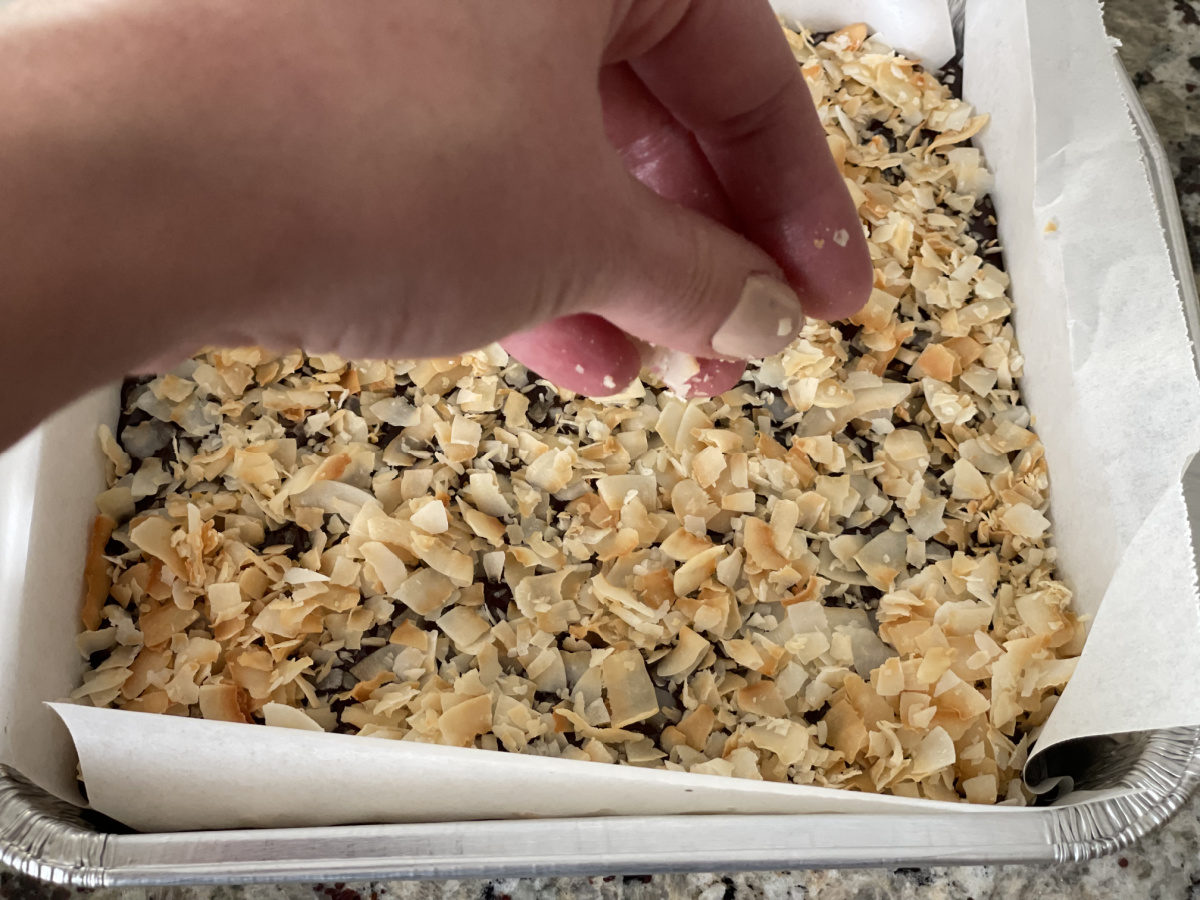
[(1160, 46)]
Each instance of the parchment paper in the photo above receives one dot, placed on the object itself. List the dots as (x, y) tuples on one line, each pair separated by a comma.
[(160, 773), (48, 485), (920, 29), (1109, 377), (1109, 367)]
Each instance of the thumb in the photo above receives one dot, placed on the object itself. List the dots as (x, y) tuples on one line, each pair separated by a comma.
[(692, 285)]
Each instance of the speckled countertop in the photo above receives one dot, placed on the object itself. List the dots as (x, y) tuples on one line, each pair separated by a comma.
[(1160, 46)]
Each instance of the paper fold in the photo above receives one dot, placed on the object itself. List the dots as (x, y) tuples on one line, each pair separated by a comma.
[(280, 777)]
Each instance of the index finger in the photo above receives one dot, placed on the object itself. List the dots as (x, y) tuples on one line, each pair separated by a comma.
[(725, 71)]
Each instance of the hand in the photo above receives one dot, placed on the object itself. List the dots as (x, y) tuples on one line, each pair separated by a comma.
[(391, 178)]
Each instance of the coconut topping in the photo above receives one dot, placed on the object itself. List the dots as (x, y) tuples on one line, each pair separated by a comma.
[(839, 573)]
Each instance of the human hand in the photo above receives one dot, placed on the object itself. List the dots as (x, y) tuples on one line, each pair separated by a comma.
[(403, 178)]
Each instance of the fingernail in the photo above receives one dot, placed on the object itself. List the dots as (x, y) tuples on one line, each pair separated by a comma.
[(767, 318)]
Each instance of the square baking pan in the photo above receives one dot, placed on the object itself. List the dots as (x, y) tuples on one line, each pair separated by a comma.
[(1138, 781)]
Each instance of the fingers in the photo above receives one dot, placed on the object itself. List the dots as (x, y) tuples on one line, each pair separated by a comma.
[(688, 283), (610, 359), (691, 376), (716, 376), (656, 149), (726, 73), (582, 353), (680, 279), (665, 157)]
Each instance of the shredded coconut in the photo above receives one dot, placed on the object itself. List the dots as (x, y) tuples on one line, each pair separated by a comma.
[(838, 573)]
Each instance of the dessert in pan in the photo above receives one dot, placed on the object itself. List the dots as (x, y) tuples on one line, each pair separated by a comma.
[(839, 573)]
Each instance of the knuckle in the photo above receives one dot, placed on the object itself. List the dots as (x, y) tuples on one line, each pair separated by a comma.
[(738, 126), (700, 283), (642, 24)]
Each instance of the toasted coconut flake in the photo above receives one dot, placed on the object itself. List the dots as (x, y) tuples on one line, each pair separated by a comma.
[(279, 715), (729, 569), (762, 699), (160, 625), (697, 570), (225, 602), (463, 626), (333, 498), (739, 502), (682, 545), (760, 544), (722, 767), (551, 472), (684, 656), (425, 591), (1023, 520), (689, 500), (224, 702), (605, 735), (938, 362), (431, 517), (387, 565), (395, 411), (153, 536), (614, 489), (114, 451), (969, 483), (96, 580), (462, 723), (707, 466), (883, 559), (936, 662), (484, 492), (784, 518), (487, 527), (365, 689), (627, 684), (980, 789), (936, 751), (846, 732), (849, 38), (101, 687), (454, 564)]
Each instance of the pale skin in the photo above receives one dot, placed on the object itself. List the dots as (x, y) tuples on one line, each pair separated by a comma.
[(405, 178)]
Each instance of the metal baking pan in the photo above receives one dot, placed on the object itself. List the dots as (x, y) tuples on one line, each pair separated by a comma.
[(52, 840), (49, 839)]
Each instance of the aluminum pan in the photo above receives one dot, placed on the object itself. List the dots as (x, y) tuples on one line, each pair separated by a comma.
[(49, 839)]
